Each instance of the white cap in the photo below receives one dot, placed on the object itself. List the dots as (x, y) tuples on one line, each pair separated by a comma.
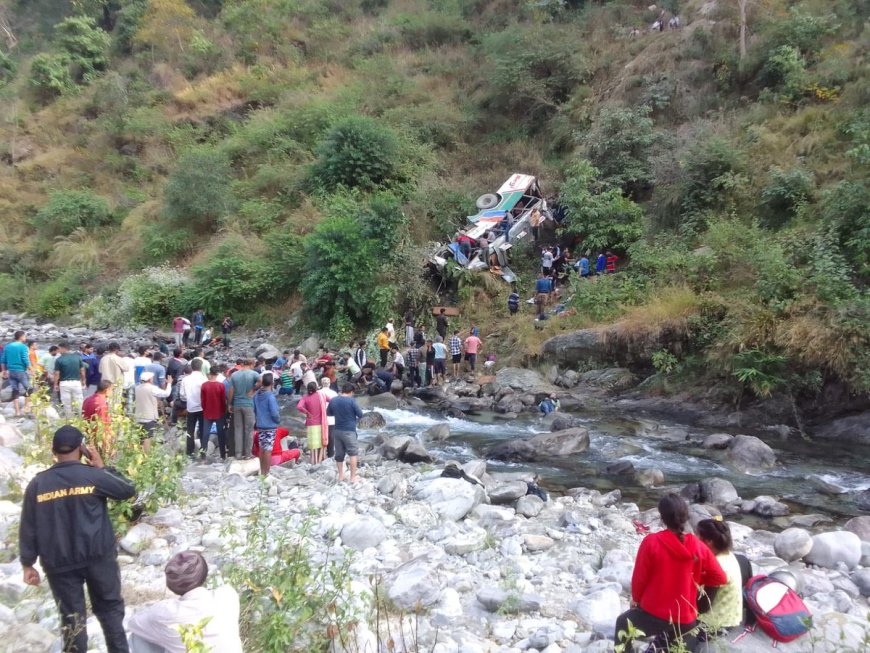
[(146, 376)]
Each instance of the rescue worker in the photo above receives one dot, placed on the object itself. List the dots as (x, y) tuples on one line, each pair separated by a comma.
[(65, 523)]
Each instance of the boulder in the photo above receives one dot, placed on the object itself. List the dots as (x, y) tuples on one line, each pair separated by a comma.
[(525, 381), (10, 436), (508, 492), (651, 477), (464, 543), (534, 543), (396, 387), (860, 526), (371, 420), (717, 441), (309, 346), (138, 538), (861, 578), (792, 544), (530, 505), (437, 433), (851, 429), (475, 468), (615, 379), (563, 421), (450, 498), (717, 491), (384, 401), (394, 447), (576, 347), (748, 453), (415, 452), (619, 468), (766, 506), (267, 352), (363, 533), (249, 467), (495, 599), (543, 446), (835, 547), (599, 610), (415, 584)]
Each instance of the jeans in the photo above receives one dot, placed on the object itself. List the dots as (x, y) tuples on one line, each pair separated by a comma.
[(221, 428), (178, 338), (651, 627), (20, 383), (195, 419), (103, 579), (243, 430), (71, 396)]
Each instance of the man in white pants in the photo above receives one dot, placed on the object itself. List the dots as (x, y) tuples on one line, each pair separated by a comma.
[(69, 379)]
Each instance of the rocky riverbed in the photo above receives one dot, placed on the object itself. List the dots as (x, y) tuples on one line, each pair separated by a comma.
[(490, 567)]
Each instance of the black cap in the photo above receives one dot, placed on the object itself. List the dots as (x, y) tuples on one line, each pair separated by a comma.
[(66, 439)]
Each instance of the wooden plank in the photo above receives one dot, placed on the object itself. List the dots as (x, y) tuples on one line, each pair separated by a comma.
[(449, 311)]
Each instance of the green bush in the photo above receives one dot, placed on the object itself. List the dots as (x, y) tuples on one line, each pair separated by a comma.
[(604, 298), (431, 29), (68, 210), (50, 75), (56, 298), (85, 43), (785, 73), (784, 193), (601, 216), (359, 152), (198, 192), (7, 68), (845, 211), (151, 297), (803, 32), (712, 171), (620, 144), (12, 291), (127, 24)]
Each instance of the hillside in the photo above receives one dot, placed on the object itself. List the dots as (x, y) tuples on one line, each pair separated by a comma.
[(278, 158)]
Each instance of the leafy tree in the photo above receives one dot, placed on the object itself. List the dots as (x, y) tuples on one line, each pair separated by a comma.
[(85, 43), (198, 192), (166, 27), (231, 282), (50, 76), (712, 169), (620, 144), (68, 210), (7, 68), (785, 192), (845, 210), (602, 216), (785, 72)]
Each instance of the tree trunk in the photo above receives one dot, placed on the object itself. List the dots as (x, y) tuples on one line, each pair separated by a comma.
[(742, 6)]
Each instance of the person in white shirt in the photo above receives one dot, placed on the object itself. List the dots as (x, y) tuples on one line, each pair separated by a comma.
[(191, 392), (327, 392), (308, 375), (391, 330), (155, 629), (147, 412)]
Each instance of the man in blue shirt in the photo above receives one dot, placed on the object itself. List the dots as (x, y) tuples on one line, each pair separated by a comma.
[(600, 263), (583, 266), (16, 365), (346, 412), (543, 288)]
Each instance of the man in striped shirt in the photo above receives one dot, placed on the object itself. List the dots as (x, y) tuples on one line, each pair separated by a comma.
[(455, 352), (411, 365)]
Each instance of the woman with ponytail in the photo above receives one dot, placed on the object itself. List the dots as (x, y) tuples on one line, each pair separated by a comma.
[(724, 609)]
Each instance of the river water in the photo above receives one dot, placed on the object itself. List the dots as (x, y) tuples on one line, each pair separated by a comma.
[(821, 477)]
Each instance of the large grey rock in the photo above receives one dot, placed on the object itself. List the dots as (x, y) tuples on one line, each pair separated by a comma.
[(717, 491), (651, 477), (576, 347), (530, 505), (599, 610), (748, 453), (860, 526), (415, 452), (371, 420), (525, 381), (384, 401), (363, 533), (854, 428), (414, 584), (495, 599), (792, 544), (138, 538), (309, 346), (508, 492), (543, 446), (766, 506), (563, 421), (535, 543), (717, 441), (610, 378), (437, 433), (861, 578), (10, 436), (395, 446), (464, 543), (450, 498), (267, 352), (835, 547)]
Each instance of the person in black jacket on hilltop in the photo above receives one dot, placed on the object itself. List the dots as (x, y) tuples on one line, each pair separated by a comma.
[(65, 523)]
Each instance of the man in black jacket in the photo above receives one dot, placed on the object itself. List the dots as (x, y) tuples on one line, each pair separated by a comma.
[(65, 522)]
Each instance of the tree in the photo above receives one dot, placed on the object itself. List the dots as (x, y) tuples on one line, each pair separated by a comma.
[(198, 191), (741, 6), (85, 43), (68, 210), (166, 27), (49, 75)]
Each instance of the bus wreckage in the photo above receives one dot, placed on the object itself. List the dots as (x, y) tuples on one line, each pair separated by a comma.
[(504, 218)]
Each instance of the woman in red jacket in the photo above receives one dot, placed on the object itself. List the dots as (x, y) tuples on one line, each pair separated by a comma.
[(670, 568)]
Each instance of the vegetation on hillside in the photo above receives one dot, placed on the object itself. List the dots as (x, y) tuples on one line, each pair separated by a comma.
[(249, 155)]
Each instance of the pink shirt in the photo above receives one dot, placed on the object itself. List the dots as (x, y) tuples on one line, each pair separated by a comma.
[(472, 344), (178, 325), (310, 405)]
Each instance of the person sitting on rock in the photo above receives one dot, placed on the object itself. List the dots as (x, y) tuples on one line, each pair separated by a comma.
[(670, 567), (721, 608), (549, 405), (155, 629)]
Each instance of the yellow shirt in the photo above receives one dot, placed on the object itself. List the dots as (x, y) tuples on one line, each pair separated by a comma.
[(383, 340), (727, 608)]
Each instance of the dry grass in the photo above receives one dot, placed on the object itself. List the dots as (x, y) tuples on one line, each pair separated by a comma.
[(668, 307)]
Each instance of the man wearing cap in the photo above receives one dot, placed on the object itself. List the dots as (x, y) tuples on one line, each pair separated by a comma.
[(157, 625), (65, 523), (147, 412)]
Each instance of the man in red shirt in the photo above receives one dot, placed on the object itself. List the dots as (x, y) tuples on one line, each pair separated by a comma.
[(214, 409), (473, 345), (96, 407)]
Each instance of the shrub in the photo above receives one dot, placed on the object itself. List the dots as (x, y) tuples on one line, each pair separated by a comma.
[(198, 191), (845, 210), (68, 210), (803, 32), (151, 297), (601, 216), (432, 29), (785, 192), (11, 291), (57, 298), (357, 153), (127, 24), (785, 72), (7, 68), (85, 43), (620, 144), (712, 172), (231, 282), (50, 76)]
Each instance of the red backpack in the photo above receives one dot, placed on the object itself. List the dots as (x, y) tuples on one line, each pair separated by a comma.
[(778, 609)]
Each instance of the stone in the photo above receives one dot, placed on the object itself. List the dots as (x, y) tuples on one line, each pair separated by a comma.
[(167, 517), (496, 599), (717, 441), (508, 492), (363, 533), (395, 446), (530, 505), (414, 584), (465, 543), (651, 477), (371, 420), (620, 468), (524, 380), (475, 468), (534, 543), (415, 452), (860, 526), (748, 453), (10, 436), (599, 610), (450, 498), (138, 538), (416, 515), (793, 544), (436, 433), (244, 467), (835, 547), (155, 557), (396, 387), (563, 421), (543, 446), (267, 352), (766, 506), (384, 401), (850, 429), (717, 491), (576, 347), (861, 578), (615, 379)]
